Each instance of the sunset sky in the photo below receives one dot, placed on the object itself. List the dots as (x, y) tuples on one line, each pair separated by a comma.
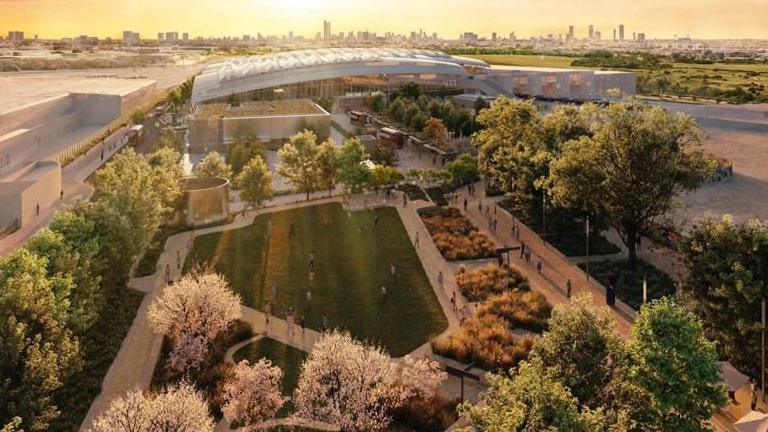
[(657, 18)]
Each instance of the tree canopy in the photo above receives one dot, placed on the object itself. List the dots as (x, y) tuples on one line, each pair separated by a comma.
[(299, 163)]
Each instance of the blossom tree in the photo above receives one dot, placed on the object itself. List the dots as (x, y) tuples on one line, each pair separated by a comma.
[(349, 384), (420, 377), (253, 393), (192, 312), (179, 408), (189, 352)]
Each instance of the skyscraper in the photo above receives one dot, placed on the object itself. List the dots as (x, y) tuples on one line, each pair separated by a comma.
[(591, 31), (621, 31), (326, 30), (570, 32), (614, 34)]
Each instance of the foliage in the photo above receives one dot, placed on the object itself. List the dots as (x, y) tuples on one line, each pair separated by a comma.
[(179, 408), (463, 169), (384, 175), (352, 170), (412, 191), (528, 310), (676, 365), (299, 162), (428, 415), (727, 279), (529, 401), (436, 131), (455, 237), (485, 341), (253, 393), (255, 182), (242, 150), (347, 383), (375, 102), (213, 165), (37, 350), (630, 171), (167, 172), (483, 282), (328, 164), (170, 139), (420, 377)]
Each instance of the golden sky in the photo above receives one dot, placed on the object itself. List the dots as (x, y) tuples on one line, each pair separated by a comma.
[(657, 18)]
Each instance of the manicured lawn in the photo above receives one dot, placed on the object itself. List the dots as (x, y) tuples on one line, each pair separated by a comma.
[(527, 60), (629, 282), (352, 261)]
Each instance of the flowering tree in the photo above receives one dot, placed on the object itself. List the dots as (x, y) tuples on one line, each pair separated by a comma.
[(193, 311), (189, 352), (253, 394), (420, 377), (349, 384), (180, 408)]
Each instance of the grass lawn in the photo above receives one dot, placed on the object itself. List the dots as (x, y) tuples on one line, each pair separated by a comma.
[(629, 282), (352, 261), (526, 60), (99, 347)]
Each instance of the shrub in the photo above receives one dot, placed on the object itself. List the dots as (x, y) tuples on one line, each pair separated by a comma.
[(520, 309), (435, 414), (479, 284), (487, 342), (455, 237)]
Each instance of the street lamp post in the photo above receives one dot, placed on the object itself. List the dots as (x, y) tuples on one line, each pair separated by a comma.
[(587, 231), (544, 216), (762, 369)]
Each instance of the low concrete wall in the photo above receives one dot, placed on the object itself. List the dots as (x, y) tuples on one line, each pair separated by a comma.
[(206, 199), (271, 128), (35, 188)]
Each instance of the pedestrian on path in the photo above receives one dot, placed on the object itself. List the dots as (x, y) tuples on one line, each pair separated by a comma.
[(465, 204), (753, 391), (528, 255), (539, 264), (309, 296), (417, 239), (324, 326), (289, 320), (178, 259), (376, 220), (311, 278), (568, 288), (522, 250), (480, 206), (453, 301), (303, 323), (392, 271), (267, 311), (167, 273), (440, 279), (383, 292), (312, 259), (405, 200)]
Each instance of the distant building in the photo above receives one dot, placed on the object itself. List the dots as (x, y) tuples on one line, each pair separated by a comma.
[(84, 42), (15, 36), (326, 30), (161, 36), (614, 34), (598, 35), (591, 31), (621, 31), (493, 37), (130, 38), (185, 37), (570, 32), (641, 36), (172, 36)]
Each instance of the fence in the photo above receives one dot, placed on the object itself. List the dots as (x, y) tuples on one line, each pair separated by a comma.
[(68, 155)]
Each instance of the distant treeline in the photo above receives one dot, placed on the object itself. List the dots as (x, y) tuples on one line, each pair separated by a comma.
[(27, 64)]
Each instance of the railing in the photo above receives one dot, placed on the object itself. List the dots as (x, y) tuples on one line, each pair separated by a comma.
[(68, 155)]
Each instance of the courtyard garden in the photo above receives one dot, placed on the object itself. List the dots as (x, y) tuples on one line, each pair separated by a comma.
[(455, 236), (327, 263)]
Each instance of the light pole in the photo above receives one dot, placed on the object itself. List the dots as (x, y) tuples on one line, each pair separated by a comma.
[(543, 216), (762, 369), (587, 231)]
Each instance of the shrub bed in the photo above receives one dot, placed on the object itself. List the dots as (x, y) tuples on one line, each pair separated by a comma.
[(479, 284), (628, 281), (487, 342), (431, 415), (437, 195), (564, 230), (528, 310), (414, 192), (455, 237)]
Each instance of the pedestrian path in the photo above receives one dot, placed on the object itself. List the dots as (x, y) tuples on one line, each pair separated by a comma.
[(556, 269)]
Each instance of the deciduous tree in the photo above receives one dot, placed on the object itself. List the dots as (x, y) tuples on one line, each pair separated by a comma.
[(255, 182), (436, 131), (328, 164), (253, 393), (349, 384), (299, 162), (353, 171), (213, 165)]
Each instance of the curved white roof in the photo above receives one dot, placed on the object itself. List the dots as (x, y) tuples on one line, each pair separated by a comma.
[(264, 71)]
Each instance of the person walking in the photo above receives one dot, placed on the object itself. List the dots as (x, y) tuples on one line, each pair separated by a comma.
[(753, 390), (465, 204), (392, 271), (453, 301), (417, 240), (528, 255), (383, 292), (440, 279), (289, 321), (267, 312), (303, 324), (539, 264), (405, 200), (167, 273), (522, 250), (480, 206), (376, 220), (178, 259), (309, 296), (568, 288), (324, 326), (312, 259)]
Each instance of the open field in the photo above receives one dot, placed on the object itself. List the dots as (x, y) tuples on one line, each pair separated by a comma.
[(716, 81), (353, 254)]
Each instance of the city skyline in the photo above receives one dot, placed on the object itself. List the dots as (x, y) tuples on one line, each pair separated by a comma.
[(709, 19)]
